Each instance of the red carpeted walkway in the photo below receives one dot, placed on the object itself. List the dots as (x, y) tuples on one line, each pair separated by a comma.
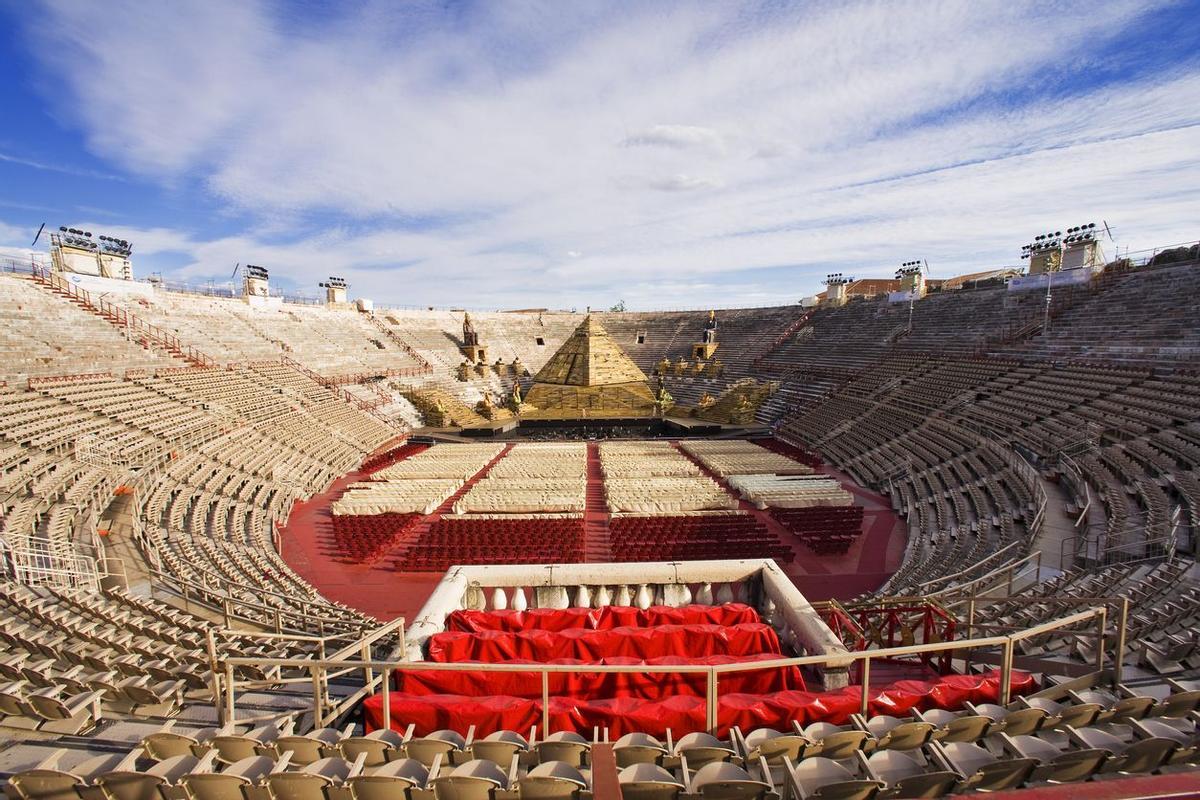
[(595, 515)]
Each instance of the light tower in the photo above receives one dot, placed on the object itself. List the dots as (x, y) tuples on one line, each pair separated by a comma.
[(1045, 255), (1081, 247), (73, 250), (912, 280), (835, 284), (335, 290), (257, 281)]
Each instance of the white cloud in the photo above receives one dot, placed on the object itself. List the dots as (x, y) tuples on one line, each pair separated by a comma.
[(684, 183), (564, 159), (677, 136)]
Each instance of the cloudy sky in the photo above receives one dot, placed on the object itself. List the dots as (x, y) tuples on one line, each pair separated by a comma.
[(511, 154)]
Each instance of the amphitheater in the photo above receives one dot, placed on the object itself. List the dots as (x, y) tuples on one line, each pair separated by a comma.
[(255, 548)]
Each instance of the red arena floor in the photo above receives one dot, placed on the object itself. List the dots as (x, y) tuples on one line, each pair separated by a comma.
[(382, 591)]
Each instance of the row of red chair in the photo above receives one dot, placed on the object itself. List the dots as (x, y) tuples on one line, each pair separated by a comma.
[(527, 540), (366, 537), (694, 538), (442, 560), (376, 463), (823, 529), (795, 453)]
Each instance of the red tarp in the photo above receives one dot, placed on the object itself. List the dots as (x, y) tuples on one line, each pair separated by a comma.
[(747, 638), (643, 685), (606, 618), (683, 714)]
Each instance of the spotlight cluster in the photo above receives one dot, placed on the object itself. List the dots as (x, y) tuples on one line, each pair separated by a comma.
[(74, 237), (83, 240), (1056, 240), (837, 279)]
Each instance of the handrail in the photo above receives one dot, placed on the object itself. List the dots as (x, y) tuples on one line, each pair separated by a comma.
[(122, 318), (226, 604), (1036, 555), (379, 672), (426, 367)]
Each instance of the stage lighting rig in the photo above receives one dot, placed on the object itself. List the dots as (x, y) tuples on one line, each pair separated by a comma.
[(116, 247), (73, 237)]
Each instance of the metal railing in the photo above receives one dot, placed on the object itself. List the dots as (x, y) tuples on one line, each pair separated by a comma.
[(1004, 560), (317, 672), (226, 684), (122, 318), (1162, 548), (34, 567)]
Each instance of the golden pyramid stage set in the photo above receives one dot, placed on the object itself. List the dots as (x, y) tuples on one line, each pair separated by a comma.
[(590, 381), (590, 376)]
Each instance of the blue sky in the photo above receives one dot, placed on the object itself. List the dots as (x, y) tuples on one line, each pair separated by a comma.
[(511, 154)]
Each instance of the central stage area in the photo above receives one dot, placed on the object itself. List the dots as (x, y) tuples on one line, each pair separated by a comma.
[(380, 538)]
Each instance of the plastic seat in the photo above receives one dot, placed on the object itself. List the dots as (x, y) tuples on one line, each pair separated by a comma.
[(232, 747), (721, 780), (474, 780), (906, 775), (388, 781), (1056, 765), (836, 742), (983, 771), (499, 747), (821, 777), (1145, 755), (702, 748), (566, 746), (774, 745), (47, 781), (71, 715), (305, 749), (552, 780), (312, 781), (648, 781), (638, 748), (377, 747), (1116, 709), (1015, 722), (892, 733), (231, 783), (439, 743), (950, 726), (153, 784), (1074, 714)]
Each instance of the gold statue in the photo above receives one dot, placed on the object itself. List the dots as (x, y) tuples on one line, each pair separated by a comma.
[(470, 337)]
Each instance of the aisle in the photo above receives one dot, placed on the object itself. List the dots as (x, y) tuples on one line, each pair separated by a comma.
[(414, 534), (595, 516)]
